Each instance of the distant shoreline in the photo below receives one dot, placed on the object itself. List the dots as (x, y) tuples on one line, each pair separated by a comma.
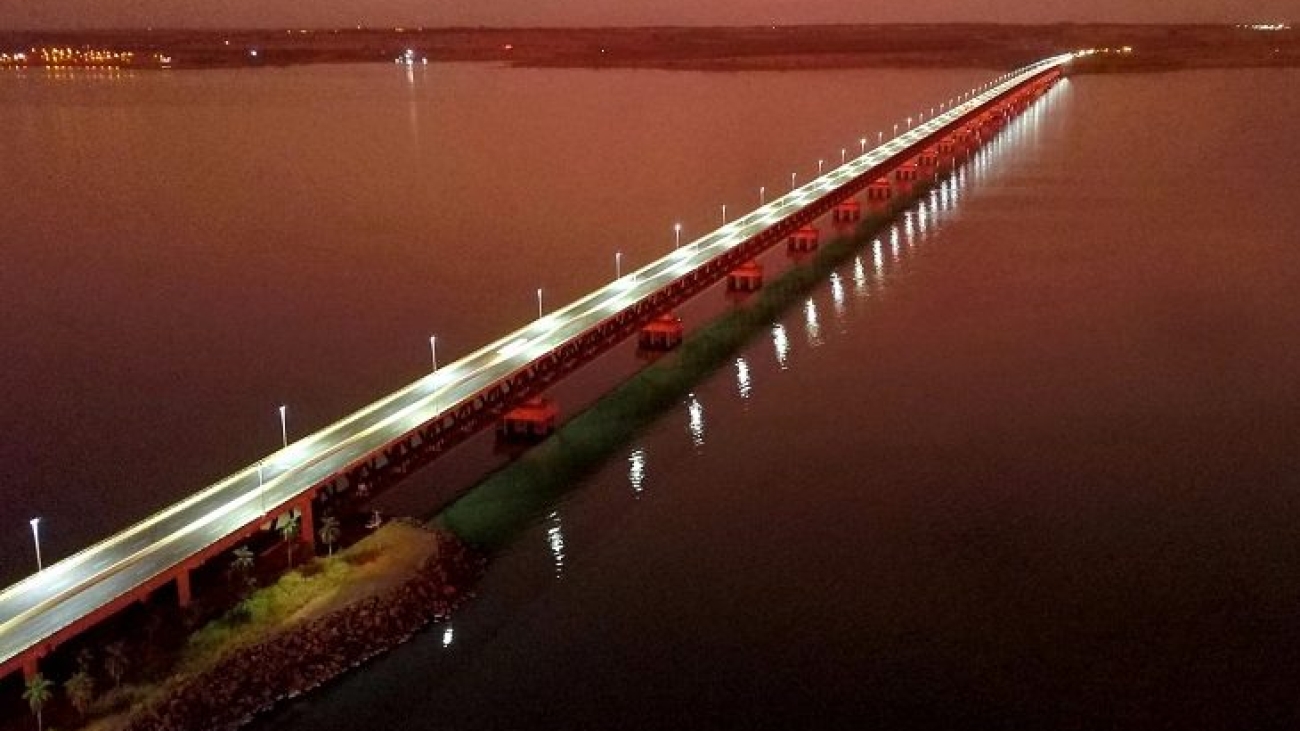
[(1154, 47)]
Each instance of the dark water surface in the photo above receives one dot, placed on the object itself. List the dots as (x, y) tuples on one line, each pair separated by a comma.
[(1028, 461), (184, 252)]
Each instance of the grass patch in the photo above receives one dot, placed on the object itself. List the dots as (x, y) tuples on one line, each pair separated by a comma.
[(378, 562), (374, 564)]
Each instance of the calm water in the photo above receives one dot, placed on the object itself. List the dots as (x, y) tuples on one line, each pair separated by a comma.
[(185, 252), (1029, 461)]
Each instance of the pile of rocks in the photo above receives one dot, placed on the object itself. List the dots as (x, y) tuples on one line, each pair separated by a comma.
[(253, 679)]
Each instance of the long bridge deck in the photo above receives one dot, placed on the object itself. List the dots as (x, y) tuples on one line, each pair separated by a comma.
[(438, 410)]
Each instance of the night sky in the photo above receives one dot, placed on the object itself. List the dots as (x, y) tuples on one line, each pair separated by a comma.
[(26, 14)]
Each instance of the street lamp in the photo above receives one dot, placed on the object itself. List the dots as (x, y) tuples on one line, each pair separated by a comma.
[(539, 303), (284, 426), (433, 350), (724, 214), (880, 137), (844, 155), (820, 163), (36, 538), (762, 195), (677, 231), (618, 265), (792, 181), (863, 142), (895, 129), (909, 122)]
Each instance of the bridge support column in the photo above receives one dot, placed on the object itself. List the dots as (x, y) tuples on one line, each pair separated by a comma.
[(184, 594), (534, 419), (663, 333), (747, 278), (927, 163), (850, 211), (905, 176), (805, 239), (879, 192), (31, 665), (306, 523)]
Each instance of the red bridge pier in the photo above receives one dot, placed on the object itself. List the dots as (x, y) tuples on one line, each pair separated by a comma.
[(663, 333), (748, 277), (805, 240), (533, 419), (849, 211)]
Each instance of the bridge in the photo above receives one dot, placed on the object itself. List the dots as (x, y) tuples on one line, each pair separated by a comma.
[(417, 423)]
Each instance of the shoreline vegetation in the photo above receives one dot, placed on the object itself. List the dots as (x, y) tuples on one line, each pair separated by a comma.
[(1155, 47), (309, 626)]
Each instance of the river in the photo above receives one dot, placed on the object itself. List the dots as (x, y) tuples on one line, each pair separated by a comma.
[(1027, 461)]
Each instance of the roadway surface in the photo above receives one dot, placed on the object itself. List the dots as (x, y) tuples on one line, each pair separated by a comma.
[(36, 608)]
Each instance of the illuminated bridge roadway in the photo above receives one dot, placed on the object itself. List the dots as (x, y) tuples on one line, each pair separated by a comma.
[(423, 419)]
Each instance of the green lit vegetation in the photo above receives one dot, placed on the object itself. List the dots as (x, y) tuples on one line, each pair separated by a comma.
[(377, 563)]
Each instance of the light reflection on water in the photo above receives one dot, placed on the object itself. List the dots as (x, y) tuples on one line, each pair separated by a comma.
[(781, 342), (811, 323), (555, 541), (695, 420), (744, 387), (636, 471), (916, 226)]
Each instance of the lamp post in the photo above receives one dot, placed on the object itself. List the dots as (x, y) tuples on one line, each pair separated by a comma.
[(820, 163), (863, 142), (724, 214), (433, 351), (880, 137), (792, 181), (539, 303), (36, 538), (844, 155), (618, 265), (284, 426), (762, 195), (677, 233)]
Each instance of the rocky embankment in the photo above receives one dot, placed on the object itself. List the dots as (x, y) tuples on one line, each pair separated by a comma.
[(251, 680)]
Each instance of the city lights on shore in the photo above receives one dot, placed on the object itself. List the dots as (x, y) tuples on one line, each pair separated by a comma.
[(85, 57)]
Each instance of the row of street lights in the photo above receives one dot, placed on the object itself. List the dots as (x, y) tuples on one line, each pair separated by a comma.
[(618, 274), (284, 440)]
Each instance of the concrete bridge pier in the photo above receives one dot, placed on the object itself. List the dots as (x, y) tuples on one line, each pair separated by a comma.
[(748, 277), (927, 164), (184, 594), (849, 211), (663, 333), (804, 240), (533, 419), (905, 176), (31, 665), (306, 522), (879, 192)]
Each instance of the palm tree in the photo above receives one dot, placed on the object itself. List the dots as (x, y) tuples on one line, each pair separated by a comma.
[(85, 659), (38, 693), (289, 531), (116, 662), (330, 531), (243, 561), (80, 689)]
